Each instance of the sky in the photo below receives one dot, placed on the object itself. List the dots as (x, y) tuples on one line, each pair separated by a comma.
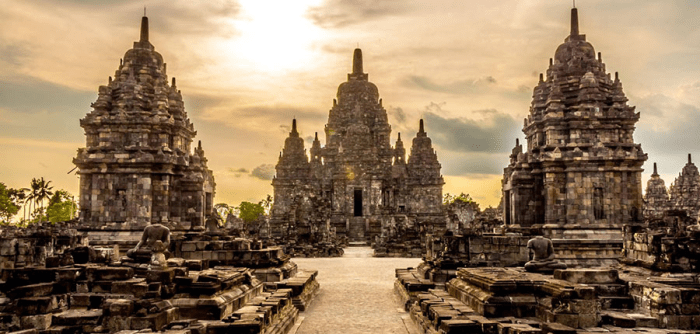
[(247, 67)]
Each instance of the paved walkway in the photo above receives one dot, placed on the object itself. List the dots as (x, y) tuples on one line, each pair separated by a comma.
[(356, 294)]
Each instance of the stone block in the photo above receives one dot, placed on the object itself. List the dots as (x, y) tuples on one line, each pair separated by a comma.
[(588, 276), (39, 321), (77, 317), (119, 307), (164, 276), (41, 305), (109, 273), (453, 326)]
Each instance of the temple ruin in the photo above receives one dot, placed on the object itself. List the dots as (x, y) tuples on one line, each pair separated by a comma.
[(138, 166), (363, 183), (580, 175)]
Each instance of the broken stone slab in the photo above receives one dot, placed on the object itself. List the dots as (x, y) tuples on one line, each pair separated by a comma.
[(557, 328), (41, 305), (32, 290), (109, 273), (458, 326), (77, 317), (588, 275)]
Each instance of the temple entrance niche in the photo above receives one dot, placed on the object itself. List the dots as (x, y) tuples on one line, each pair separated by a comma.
[(358, 203)]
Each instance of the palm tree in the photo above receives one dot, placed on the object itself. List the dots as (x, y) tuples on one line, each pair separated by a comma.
[(40, 191)]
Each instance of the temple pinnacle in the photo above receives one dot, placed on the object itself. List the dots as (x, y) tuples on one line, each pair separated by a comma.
[(144, 28), (357, 62), (421, 129), (690, 161), (655, 172), (574, 21), (294, 128)]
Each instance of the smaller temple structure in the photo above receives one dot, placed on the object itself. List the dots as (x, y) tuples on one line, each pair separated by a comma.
[(656, 200), (682, 198), (685, 190), (139, 165)]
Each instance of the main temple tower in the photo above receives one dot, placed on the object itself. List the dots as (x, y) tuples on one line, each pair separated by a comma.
[(364, 181)]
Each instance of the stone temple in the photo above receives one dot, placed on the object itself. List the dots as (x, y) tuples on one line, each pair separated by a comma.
[(581, 169), (138, 166), (357, 177), (682, 197)]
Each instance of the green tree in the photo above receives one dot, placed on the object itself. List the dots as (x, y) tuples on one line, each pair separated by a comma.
[(61, 207), (7, 207), (19, 198), (250, 211), (449, 198)]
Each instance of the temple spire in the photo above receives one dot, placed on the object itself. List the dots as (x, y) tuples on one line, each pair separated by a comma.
[(357, 62), (144, 27), (294, 132), (690, 161), (574, 21), (421, 129), (655, 172)]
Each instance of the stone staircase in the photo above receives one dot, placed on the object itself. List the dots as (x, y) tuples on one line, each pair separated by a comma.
[(357, 229)]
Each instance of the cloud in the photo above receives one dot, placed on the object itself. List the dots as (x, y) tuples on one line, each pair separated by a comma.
[(238, 172), (343, 13), (30, 95), (398, 114), (261, 117), (472, 164), (264, 172), (667, 123), (492, 134), (13, 53), (459, 87)]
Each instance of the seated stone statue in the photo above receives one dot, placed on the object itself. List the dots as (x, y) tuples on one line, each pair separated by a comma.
[(543, 260), (212, 224), (154, 242)]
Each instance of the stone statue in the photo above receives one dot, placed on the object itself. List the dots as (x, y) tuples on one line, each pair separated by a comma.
[(212, 224), (152, 247), (543, 256)]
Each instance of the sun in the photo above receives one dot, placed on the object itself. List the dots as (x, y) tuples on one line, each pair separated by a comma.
[(275, 36)]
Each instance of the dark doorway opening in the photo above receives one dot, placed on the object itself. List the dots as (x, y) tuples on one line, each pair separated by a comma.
[(507, 207), (358, 202)]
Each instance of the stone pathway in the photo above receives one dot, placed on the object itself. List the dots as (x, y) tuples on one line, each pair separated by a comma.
[(356, 295)]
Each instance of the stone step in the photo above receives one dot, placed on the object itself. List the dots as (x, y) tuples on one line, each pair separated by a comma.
[(618, 319), (358, 244)]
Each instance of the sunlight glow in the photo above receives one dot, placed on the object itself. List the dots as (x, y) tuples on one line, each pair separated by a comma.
[(276, 36)]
